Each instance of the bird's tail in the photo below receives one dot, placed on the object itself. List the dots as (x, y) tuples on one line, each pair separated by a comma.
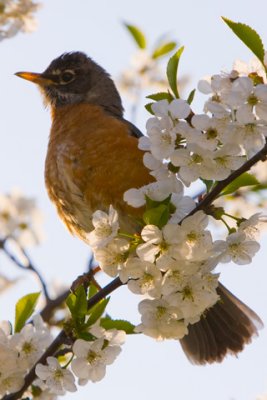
[(225, 329)]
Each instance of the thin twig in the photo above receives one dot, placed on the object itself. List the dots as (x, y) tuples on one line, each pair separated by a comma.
[(29, 267), (47, 311)]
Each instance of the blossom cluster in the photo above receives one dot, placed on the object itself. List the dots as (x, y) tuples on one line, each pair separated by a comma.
[(16, 16), (172, 259), (144, 72), (209, 145), (20, 351), (20, 219), (88, 363)]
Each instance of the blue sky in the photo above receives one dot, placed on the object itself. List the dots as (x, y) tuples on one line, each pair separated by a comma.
[(146, 369)]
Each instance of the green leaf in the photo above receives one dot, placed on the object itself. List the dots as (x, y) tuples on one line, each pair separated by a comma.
[(258, 188), (154, 203), (96, 311), (148, 108), (137, 35), (160, 96), (126, 326), (164, 49), (207, 183), (245, 179), (92, 290), (24, 309), (191, 96), (158, 216), (172, 70), (86, 336), (248, 36), (77, 303)]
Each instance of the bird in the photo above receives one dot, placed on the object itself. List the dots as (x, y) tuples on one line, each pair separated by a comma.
[(93, 159)]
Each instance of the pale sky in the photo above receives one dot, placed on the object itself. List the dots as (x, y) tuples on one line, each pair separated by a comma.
[(146, 369)]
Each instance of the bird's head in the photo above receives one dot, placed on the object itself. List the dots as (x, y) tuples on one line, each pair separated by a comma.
[(74, 78)]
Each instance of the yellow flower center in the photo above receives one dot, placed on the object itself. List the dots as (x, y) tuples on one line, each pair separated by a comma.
[(58, 374), (27, 347), (163, 246), (252, 100), (92, 356), (212, 133), (147, 280), (197, 159), (188, 293), (161, 311)]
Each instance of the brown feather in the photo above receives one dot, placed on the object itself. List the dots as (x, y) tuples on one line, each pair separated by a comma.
[(92, 160), (228, 326)]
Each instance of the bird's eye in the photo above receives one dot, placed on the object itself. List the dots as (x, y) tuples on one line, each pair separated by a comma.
[(67, 76)]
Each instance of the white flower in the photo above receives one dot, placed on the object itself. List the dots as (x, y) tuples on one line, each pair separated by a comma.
[(194, 162), (5, 332), (194, 295), (217, 84), (58, 379), (161, 320), (177, 273), (237, 248), (17, 16), (144, 277), (11, 377), (226, 160), (157, 191), (217, 108), (161, 137), (213, 131), (91, 359), (177, 109), (251, 136), (115, 337), (43, 392), (10, 382), (113, 256), (244, 97), (251, 226), (20, 219), (143, 73), (183, 205), (106, 227), (195, 241), (158, 169), (31, 342), (161, 246), (254, 66), (204, 85)]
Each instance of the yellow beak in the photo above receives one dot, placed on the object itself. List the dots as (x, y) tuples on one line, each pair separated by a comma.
[(34, 77)]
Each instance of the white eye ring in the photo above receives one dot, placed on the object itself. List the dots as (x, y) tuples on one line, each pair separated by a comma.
[(66, 76)]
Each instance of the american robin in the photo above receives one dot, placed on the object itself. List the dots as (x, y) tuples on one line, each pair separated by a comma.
[(93, 159)]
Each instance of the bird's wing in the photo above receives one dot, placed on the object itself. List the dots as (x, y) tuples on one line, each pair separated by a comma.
[(134, 131)]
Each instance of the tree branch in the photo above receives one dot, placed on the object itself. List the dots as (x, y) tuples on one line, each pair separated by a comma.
[(212, 195)]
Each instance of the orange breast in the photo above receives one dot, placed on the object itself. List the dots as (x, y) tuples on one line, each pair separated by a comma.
[(91, 161)]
